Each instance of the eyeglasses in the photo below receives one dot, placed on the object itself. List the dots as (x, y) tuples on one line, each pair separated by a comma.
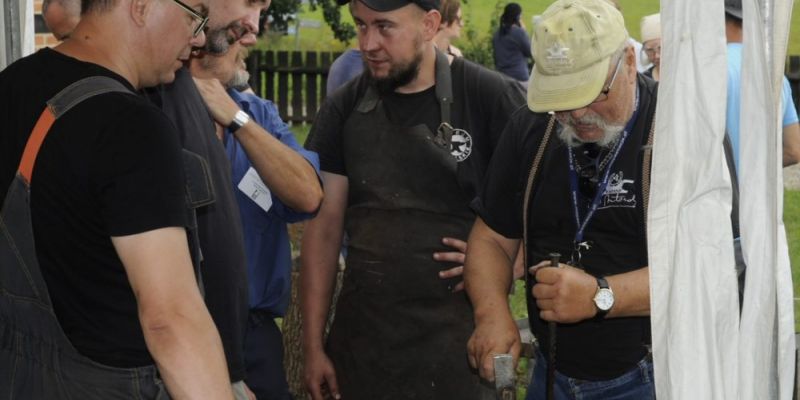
[(202, 19), (652, 50), (603, 96)]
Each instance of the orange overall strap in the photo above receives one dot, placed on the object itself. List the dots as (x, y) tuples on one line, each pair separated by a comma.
[(35, 143)]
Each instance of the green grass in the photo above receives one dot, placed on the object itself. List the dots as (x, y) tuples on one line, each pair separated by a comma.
[(478, 14), (791, 218)]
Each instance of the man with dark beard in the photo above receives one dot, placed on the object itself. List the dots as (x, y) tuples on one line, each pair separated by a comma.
[(276, 183), (218, 225), (403, 149), (573, 183)]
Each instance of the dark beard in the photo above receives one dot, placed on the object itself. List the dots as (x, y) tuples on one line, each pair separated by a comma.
[(218, 41), (398, 76)]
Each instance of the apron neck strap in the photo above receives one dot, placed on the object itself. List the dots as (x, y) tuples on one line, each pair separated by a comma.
[(444, 86), (444, 90)]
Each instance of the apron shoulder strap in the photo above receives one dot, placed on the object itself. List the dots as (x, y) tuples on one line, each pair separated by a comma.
[(537, 160), (57, 106)]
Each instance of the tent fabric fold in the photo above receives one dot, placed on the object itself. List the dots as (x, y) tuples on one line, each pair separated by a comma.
[(701, 347)]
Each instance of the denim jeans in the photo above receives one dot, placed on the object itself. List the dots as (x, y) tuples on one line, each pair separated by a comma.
[(636, 384)]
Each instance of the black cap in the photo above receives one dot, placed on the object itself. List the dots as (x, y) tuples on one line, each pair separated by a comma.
[(734, 7), (389, 5)]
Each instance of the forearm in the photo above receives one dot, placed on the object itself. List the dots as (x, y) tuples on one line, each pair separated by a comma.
[(290, 176), (188, 352), (791, 144), (631, 293), (488, 272), (319, 260)]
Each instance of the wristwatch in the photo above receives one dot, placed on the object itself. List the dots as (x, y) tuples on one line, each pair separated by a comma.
[(603, 298), (239, 120)]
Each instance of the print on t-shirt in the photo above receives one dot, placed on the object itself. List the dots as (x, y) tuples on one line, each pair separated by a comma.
[(616, 194)]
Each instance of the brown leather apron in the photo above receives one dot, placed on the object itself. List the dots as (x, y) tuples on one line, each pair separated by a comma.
[(400, 332)]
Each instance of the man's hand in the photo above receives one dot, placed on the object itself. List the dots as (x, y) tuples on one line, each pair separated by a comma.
[(219, 103), (457, 256), (564, 294), (493, 335), (320, 376)]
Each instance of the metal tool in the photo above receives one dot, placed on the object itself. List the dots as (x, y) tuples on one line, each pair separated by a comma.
[(505, 377), (551, 329)]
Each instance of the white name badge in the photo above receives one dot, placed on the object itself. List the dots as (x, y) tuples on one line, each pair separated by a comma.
[(252, 186)]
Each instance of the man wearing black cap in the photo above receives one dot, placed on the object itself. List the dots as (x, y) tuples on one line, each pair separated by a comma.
[(402, 150)]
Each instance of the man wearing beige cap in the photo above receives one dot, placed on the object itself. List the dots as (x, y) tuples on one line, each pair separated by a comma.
[(573, 183)]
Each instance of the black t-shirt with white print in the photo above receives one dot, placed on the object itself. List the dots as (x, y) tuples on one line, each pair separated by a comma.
[(592, 350)]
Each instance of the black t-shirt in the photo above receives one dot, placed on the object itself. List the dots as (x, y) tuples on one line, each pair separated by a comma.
[(111, 166), (483, 101), (219, 225), (589, 349)]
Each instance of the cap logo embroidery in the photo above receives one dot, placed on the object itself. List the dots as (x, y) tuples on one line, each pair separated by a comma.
[(559, 55)]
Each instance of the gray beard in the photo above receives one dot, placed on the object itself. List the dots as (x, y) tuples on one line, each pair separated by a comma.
[(567, 134), (610, 135), (240, 80)]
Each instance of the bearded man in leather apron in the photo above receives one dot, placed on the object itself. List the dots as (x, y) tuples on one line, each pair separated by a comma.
[(403, 148)]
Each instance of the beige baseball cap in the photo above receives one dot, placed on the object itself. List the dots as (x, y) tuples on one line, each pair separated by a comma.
[(572, 48)]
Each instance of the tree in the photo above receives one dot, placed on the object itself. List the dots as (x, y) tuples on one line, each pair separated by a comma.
[(283, 12)]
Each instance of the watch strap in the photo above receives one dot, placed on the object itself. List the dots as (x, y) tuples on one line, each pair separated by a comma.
[(239, 120)]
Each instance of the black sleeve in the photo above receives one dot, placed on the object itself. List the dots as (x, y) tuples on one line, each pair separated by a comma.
[(137, 173), (500, 201), (325, 137)]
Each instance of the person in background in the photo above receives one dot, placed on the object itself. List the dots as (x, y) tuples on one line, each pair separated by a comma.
[(61, 16), (450, 29), (511, 44), (346, 67), (277, 183), (791, 128), (651, 45)]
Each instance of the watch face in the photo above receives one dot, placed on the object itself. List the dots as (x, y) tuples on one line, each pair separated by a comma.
[(604, 299)]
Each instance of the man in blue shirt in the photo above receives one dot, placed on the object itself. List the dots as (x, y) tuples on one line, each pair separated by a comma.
[(791, 128), (276, 182)]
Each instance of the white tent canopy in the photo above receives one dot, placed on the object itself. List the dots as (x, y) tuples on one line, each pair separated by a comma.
[(17, 33), (702, 350)]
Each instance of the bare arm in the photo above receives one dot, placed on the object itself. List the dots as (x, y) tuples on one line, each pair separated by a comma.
[(791, 144), (488, 277), (322, 240), (177, 327), (566, 294), (285, 172)]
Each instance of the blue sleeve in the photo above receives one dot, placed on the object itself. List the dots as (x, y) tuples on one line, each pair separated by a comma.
[(789, 109), (266, 114), (524, 43)]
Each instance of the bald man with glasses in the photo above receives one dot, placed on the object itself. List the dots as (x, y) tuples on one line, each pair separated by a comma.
[(98, 293)]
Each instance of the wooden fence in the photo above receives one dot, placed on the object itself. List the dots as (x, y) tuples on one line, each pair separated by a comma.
[(294, 81)]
